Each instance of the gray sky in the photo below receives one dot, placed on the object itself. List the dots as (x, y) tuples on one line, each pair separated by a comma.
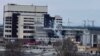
[(75, 10)]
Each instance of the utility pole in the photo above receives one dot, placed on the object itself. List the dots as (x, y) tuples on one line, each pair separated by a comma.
[(68, 22), (88, 24), (84, 23), (92, 23)]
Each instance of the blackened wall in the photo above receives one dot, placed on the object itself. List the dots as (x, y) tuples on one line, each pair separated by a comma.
[(78, 35), (14, 24), (48, 21)]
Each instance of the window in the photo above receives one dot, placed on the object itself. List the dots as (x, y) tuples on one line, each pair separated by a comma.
[(25, 27), (28, 24), (58, 21), (28, 21), (8, 17), (31, 27), (28, 27), (7, 30), (95, 38), (28, 36), (8, 20), (28, 18), (27, 31), (7, 26), (7, 35), (8, 23)]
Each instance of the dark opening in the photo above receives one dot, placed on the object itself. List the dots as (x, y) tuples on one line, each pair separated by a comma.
[(14, 24), (94, 45), (48, 21)]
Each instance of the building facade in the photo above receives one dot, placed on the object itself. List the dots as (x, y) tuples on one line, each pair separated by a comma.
[(23, 21), (30, 21)]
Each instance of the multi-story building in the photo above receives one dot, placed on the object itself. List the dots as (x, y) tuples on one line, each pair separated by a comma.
[(30, 21), (23, 21)]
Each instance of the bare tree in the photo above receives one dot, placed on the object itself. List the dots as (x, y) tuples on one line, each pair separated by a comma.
[(13, 47), (66, 47), (99, 48)]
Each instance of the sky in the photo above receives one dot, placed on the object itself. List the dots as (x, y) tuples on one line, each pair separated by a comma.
[(74, 11)]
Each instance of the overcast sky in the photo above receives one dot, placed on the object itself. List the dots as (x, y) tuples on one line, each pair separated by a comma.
[(75, 10)]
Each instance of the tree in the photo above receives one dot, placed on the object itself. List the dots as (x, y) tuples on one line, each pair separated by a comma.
[(99, 47), (66, 47), (13, 47)]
